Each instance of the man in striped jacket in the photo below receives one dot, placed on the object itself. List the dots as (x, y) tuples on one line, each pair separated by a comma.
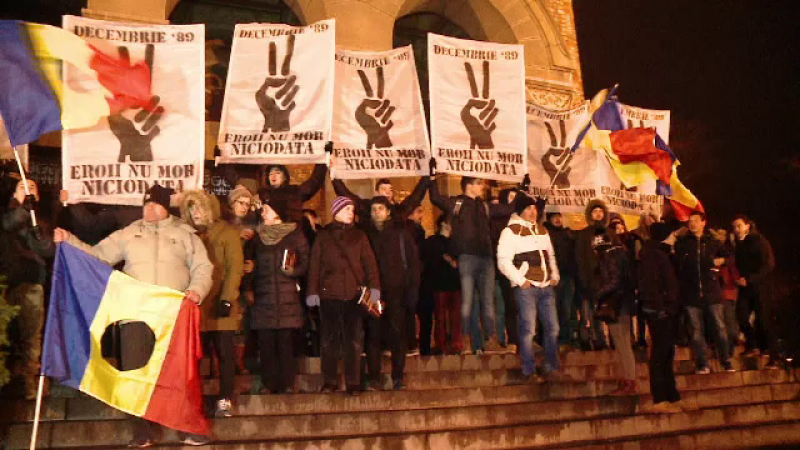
[(525, 256)]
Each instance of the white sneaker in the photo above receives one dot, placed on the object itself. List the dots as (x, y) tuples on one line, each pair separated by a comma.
[(703, 371), (224, 408)]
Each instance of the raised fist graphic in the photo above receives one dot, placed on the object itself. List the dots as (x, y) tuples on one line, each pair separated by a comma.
[(479, 113), (136, 136), (275, 98), (374, 113), (557, 158)]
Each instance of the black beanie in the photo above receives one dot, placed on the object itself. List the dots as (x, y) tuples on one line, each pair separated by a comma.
[(277, 203), (158, 194), (659, 231), (522, 202)]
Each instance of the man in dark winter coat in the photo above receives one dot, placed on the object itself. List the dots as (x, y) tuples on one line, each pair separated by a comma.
[(277, 181), (658, 294), (698, 256), (342, 261), (564, 245), (398, 259), (597, 220), (471, 243), (25, 251), (756, 264)]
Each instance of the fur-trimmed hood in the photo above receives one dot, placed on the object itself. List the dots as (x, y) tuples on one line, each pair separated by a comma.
[(594, 203), (208, 203)]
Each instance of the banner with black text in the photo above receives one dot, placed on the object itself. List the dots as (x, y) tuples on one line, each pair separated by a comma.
[(571, 180), (379, 125), (117, 160), (477, 102), (278, 102)]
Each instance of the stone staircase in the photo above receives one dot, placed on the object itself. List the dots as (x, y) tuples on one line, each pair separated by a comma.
[(464, 402)]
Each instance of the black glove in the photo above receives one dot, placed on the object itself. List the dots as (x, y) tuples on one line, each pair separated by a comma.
[(432, 167), (526, 183), (329, 147), (37, 233), (29, 202)]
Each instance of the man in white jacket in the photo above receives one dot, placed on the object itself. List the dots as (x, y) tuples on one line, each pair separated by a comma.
[(525, 256)]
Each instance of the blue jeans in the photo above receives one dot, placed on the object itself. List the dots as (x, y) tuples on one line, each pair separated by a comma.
[(529, 302), (478, 334), (697, 322), (477, 278)]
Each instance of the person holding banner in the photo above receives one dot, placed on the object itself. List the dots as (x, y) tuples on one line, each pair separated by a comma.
[(159, 249), (398, 264), (342, 265), (470, 215), (221, 312), (275, 180), (383, 188), (26, 248)]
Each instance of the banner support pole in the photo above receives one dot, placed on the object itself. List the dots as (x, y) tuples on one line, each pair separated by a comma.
[(38, 409)]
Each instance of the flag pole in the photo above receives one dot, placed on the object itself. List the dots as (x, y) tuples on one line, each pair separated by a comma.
[(38, 409), (24, 182)]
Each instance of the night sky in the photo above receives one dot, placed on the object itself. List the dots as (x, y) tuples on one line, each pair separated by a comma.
[(727, 71)]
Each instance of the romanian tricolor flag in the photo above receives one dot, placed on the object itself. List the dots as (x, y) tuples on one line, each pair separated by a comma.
[(88, 296), (34, 100)]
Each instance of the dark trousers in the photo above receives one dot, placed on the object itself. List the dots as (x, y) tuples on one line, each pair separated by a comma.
[(276, 350), (219, 344), (757, 335), (425, 309), (342, 336), (391, 326), (511, 313), (662, 358)]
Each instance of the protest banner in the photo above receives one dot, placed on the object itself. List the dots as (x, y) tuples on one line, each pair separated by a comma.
[(571, 180), (477, 102), (635, 117), (278, 103), (379, 122), (117, 160)]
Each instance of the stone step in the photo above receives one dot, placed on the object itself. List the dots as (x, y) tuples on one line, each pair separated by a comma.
[(417, 363), (454, 379), (772, 435), (505, 426)]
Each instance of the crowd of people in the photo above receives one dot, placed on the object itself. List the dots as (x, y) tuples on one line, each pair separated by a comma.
[(273, 284)]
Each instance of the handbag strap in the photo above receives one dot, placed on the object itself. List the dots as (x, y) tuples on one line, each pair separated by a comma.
[(347, 257)]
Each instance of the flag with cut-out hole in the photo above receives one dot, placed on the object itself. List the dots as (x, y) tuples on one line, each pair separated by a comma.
[(88, 296)]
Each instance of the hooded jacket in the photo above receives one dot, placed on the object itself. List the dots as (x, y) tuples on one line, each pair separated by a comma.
[(525, 253), (338, 270), (225, 252), (165, 253), (658, 286), (584, 255), (296, 194), (612, 279)]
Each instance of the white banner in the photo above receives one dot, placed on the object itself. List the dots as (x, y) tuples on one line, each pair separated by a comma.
[(477, 99), (117, 160), (7, 150), (570, 180), (634, 117), (279, 94), (379, 123)]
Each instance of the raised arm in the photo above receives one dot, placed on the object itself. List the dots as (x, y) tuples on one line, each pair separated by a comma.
[(314, 183), (414, 199), (438, 199)]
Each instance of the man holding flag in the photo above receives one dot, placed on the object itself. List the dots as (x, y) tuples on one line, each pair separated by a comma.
[(161, 250)]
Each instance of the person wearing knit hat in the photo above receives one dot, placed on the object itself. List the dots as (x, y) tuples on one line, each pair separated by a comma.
[(339, 203), (342, 265), (158, 194)]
